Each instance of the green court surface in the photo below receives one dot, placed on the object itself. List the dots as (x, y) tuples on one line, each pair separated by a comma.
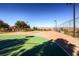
[(13, 44), (19, 45)]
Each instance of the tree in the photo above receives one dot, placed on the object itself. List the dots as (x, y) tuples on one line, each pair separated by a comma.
[(1, 23), (21, 25), (3, 26), (35, 28)]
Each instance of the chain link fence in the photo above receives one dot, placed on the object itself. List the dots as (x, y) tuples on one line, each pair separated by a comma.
[(67, 27)]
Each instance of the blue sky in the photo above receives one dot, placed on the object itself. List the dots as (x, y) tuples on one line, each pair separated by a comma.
[(37, 14)]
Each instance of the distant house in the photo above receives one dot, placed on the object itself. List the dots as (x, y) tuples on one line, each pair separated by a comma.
[(13, 28)]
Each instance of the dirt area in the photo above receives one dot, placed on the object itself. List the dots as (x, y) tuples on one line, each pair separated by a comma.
[(47, 34)]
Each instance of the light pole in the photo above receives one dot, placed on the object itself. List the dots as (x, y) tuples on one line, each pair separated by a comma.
[(55, 24), (74, 27)]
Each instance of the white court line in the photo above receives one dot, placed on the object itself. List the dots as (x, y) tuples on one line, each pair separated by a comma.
[(63, 49)]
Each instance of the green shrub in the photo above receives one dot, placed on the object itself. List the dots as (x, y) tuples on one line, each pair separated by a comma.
[(65, 31), (77, 33)]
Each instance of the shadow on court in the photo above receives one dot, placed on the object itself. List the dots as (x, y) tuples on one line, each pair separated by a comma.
[(50, 48), (59, 47)]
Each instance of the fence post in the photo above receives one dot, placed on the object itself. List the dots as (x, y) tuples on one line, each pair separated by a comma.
[(74, 27)]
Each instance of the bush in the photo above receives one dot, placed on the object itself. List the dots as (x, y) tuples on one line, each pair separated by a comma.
[(65, 31), (77, 33)]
